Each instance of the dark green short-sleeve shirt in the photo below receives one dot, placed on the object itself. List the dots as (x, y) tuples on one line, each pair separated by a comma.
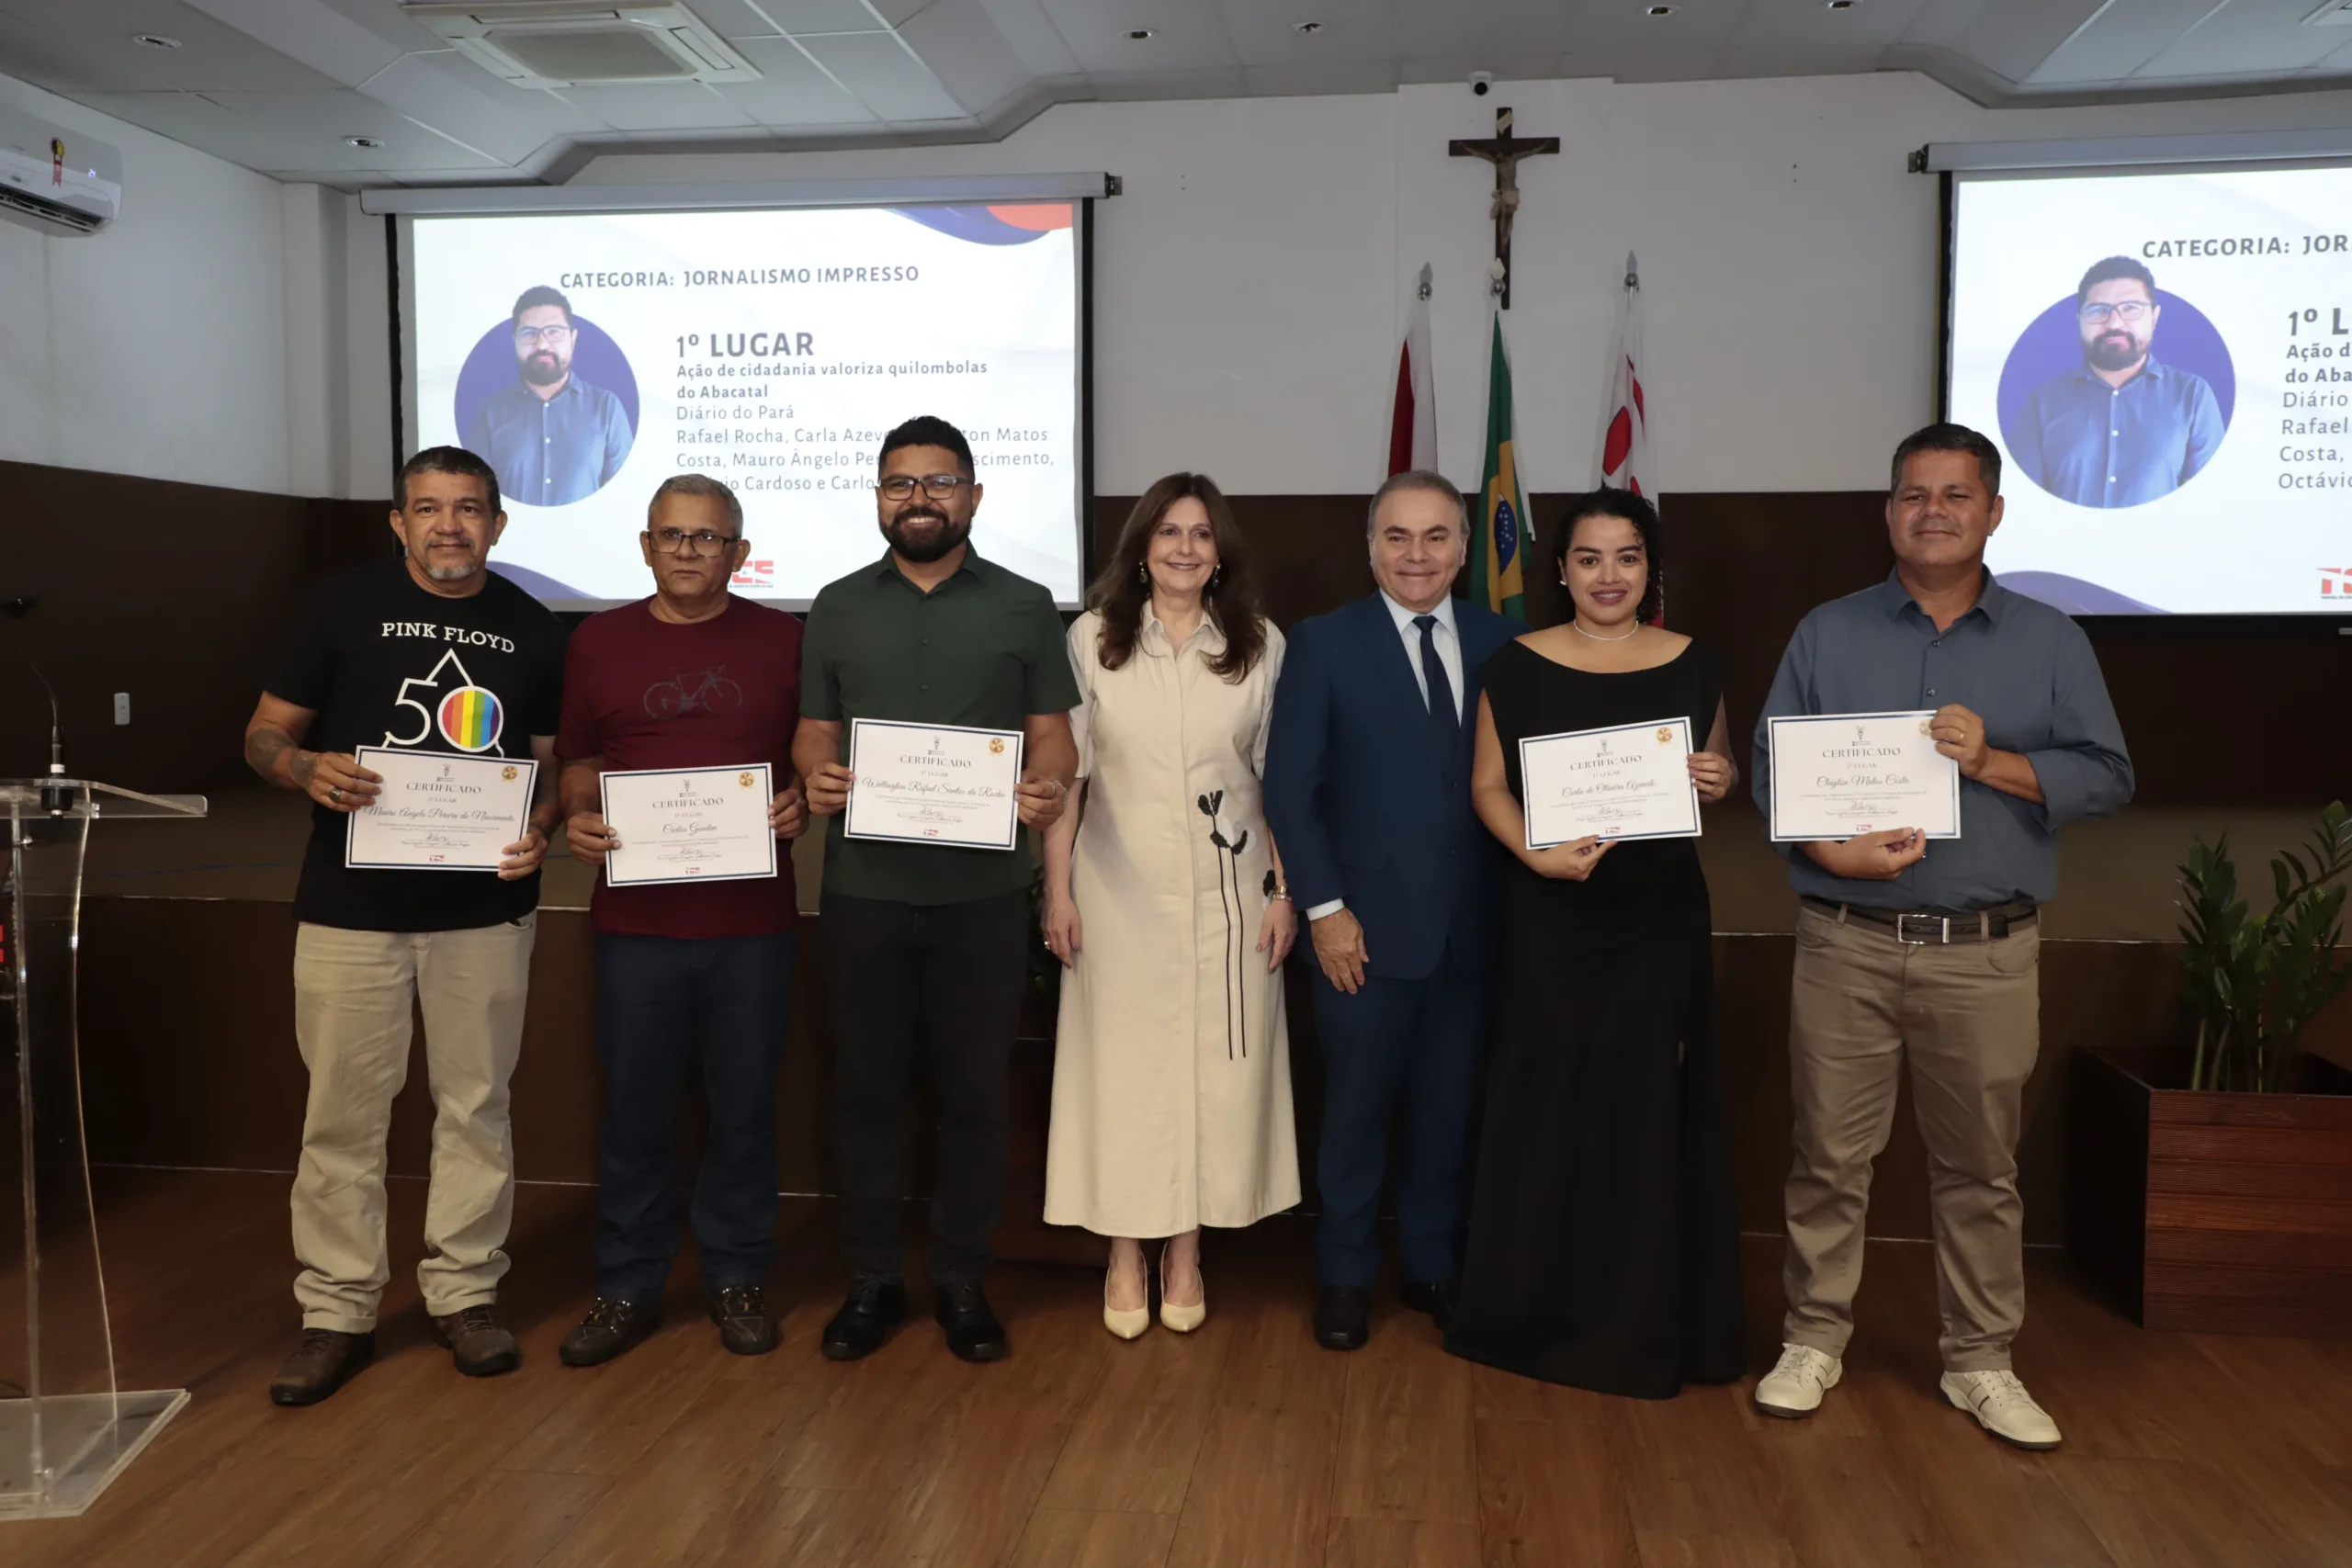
[(985, 648)]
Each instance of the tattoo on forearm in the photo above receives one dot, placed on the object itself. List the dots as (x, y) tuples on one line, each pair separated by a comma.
[(265, 745)]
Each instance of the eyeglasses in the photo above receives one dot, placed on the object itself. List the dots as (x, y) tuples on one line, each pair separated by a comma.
[(939, 487), (2133, 312), (705, 541), (526, 336)]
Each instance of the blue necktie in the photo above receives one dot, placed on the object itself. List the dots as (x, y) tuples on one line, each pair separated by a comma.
[(1443, 720)]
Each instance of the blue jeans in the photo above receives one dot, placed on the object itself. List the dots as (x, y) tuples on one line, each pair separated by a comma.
[(723, 1003), (1417, 1047)]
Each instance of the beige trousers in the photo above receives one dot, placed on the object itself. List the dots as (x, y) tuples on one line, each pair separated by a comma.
[(353, 993), (1967, 1017)]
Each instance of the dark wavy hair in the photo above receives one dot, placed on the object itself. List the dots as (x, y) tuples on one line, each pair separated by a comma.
[(1634, 508), (1231, 600)]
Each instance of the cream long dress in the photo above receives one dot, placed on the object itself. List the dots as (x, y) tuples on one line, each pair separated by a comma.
[(1172, 1065)]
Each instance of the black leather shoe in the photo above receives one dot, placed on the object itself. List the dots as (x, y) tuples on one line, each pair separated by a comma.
[(477, 1344), (973, 1332), (1438, 1300), (1343, 1317), (323, 1362), (744, 1326), (611, 1327), (874, 1307)]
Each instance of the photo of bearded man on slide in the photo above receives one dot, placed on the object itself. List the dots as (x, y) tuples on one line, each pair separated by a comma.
[(552, 438)]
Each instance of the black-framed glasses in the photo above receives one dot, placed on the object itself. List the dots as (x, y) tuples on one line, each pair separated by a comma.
[(705, 541), (2132, 312), (939, 487), (526, 337)]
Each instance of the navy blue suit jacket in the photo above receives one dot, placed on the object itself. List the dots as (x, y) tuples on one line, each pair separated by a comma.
[(1363, 804)]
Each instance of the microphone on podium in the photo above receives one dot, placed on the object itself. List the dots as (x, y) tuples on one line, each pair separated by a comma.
[(54, 797)]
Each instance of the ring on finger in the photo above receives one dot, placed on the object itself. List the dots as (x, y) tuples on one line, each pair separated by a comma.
[(335, 793)]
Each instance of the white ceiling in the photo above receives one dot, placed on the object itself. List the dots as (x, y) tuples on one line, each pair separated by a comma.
[(279, 84)]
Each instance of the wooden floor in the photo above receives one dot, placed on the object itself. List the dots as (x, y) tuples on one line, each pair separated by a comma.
[(1244, 1444)]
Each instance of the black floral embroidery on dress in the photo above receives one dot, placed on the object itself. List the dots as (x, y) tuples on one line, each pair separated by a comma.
[(1229, 857)]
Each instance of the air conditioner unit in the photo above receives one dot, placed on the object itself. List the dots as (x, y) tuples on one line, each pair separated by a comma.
[(56, 180), (585, 43)]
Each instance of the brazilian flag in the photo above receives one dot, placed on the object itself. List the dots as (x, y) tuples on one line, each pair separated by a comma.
[(1499, 537)]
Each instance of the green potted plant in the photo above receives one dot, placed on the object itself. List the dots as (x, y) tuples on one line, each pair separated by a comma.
[(2210, 1183)]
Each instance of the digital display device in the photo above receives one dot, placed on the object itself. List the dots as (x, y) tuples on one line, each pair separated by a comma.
[(590, 356), (2165, 359)]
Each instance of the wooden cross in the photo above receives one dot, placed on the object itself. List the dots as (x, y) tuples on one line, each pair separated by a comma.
[(1504, 150)]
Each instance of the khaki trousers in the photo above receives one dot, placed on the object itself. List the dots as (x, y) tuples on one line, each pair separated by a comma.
[(353, 992), (1967, 1017)]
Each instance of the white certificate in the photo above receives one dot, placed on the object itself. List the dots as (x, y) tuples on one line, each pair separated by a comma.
[(689, 825), (933, 784), (439, 811), (1842, 774), (1630, 781)]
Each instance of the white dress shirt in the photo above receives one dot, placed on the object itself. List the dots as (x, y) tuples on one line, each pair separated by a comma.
[(1449, 654)]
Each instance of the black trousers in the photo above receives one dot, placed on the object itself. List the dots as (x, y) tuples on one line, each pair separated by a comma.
[(941, 981)]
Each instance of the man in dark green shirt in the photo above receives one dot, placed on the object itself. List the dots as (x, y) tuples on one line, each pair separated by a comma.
[(926, 943)]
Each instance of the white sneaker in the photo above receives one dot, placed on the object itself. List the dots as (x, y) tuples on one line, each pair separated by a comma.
[(2002, 1407), (1796, 1382)]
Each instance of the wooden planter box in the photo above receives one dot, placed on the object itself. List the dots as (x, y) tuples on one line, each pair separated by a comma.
[(2221, 1214)]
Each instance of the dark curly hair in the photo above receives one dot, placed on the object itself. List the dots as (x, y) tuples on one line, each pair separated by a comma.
[(1634, 508), (1231, 598)]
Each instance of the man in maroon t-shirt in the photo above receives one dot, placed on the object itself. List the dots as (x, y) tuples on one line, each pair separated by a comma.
[(690, 678)]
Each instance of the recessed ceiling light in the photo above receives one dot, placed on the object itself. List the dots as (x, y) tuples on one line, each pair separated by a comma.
[(365, 143), (1306, 26), (1839, 5), (1140, 34), (155, 40), (1662, 10)]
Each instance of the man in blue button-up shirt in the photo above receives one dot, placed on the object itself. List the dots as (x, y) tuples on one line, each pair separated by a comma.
[(552, 437), (2120, 427), (1932, 953)]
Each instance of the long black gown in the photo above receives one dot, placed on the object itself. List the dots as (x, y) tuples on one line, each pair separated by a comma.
[(1604, 1248)]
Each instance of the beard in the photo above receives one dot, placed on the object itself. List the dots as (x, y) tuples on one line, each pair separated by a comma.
[(925, 547), (543, 369), (2115, 350), (446, 569)]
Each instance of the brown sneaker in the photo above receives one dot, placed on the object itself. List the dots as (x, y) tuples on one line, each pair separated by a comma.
[(477, 1344), (323, 1362)]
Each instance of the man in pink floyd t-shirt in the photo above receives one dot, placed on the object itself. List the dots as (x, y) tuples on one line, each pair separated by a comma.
[(686, 972)]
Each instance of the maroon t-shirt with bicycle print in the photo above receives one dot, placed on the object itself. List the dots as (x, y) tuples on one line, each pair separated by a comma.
[(644, 692)]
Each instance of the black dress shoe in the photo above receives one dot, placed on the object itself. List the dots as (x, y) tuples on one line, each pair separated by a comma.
[(744, 1326), (477, 1344), (973, 1332), (611, 1327), (323, 1362), (1438, 1300), (874, 1307), (1343, 1317)]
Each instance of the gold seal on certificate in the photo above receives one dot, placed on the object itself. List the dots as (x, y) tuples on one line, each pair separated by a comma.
[(1840, 775), (1629, 781), (933, 784), (689, 825), (439, 811)]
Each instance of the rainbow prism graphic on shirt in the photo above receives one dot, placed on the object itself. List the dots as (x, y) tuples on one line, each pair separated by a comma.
[(471, 718)]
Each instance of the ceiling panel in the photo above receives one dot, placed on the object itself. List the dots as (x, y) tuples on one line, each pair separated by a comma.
[(2119, 40), (1789, 24), (200, 122), (327, 41), (551, 110), (2248, 36), (1188, 35), (383, 18), (791, 90), (314, 124), (1625, 24), (450, 104), (966, 52), (1265, 32), (742, 19), (885, 76), (63, 66), (1031, 33), (212, 55), (1305, 79), (679, 106)]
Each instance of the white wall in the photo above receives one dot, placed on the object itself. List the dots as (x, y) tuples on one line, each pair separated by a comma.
[(1252, 280), (159, 347)]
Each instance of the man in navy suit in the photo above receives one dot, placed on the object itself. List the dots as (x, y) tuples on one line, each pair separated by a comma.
[(1368, 795)]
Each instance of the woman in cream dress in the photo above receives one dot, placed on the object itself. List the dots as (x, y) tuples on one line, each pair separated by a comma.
[(1164, 897)]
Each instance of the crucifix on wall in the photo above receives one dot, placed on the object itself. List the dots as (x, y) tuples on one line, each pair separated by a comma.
[(1504, 150)]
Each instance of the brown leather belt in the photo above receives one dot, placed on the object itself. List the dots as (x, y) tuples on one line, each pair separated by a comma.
[(1936, 928)]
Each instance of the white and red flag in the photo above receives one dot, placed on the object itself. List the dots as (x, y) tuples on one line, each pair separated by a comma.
[(1412, 422), (1625, 459)]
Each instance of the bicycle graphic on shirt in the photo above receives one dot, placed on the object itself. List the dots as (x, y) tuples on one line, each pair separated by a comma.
[(708, 690)]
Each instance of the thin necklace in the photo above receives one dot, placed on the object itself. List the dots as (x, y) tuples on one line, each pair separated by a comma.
[(1577, 627)]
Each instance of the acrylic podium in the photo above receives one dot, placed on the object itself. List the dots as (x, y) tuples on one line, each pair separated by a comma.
[(66, 1429)]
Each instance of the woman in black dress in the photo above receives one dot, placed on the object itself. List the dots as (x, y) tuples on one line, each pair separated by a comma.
[(1604, 1251)]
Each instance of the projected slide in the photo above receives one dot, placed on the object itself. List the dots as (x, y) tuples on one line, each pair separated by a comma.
[(2165, 361), (590, 357)]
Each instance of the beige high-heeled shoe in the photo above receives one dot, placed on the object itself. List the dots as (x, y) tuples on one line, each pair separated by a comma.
[(1180, 1319), (1126, 1324)]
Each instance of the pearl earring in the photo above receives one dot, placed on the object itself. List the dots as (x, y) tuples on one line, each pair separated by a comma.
[(1143, 573)]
